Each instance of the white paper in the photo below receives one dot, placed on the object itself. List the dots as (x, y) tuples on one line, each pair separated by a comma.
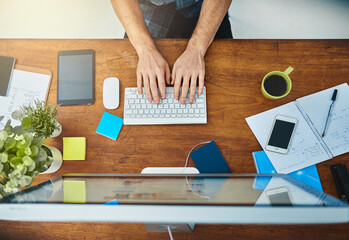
[(316, 106), (305, 149), (25, 88)]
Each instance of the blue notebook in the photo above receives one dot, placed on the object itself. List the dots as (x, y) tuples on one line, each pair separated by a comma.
[(208, 159), (308, 175)]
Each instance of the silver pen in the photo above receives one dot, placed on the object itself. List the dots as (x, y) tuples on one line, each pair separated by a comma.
[(334, 95)]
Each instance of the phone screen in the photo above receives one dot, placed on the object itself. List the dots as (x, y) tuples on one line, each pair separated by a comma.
[(281, 134), (280, 199)]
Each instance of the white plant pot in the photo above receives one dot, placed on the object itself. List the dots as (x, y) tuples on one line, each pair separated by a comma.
[(57, 160), (58, 131)]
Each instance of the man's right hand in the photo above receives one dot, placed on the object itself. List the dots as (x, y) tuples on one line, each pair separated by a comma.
[(152, 72)]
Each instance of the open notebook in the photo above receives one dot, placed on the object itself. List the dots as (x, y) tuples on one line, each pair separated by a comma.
[(307, 146)]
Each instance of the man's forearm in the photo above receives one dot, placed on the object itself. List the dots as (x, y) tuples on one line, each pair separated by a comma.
[(131, 17), (211, 16)]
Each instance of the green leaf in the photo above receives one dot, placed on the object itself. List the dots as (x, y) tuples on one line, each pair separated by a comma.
[(28, 138), (25, 181), (3, 157), (35, 150), (20, 153), (15, 161), (17, 115), (38, 141), (20, 144), (27, 151), (10, 143), (26, 123), (3, 135), (32, 166), (1, 166), (42, 156), (27, 161), (2, 118), (2, 143)]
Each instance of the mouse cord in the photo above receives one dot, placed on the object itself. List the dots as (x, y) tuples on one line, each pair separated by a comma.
[(186, 161), (169, 232), (185, 166)]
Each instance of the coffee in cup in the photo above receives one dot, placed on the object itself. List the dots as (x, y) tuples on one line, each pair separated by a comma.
[(277, 84)]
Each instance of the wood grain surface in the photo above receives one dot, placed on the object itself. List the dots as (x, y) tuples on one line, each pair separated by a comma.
[(234, 70)]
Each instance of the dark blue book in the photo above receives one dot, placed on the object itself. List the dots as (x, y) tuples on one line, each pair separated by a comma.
[(308, 175)]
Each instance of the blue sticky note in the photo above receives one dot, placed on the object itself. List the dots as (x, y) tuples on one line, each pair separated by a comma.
[(208, 159), (110, 126), (112, 202)]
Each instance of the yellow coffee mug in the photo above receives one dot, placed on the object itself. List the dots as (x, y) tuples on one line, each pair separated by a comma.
[(285, 76)]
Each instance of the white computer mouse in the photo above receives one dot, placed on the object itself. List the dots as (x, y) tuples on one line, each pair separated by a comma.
[(111, 93)]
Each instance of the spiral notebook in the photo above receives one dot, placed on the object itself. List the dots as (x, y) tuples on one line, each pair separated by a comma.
[(307, 146)]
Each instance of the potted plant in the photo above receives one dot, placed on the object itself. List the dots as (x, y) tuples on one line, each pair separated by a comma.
[(22, 156), (39, 118)]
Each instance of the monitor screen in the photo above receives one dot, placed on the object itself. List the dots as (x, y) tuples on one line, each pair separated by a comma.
[(106, 196)]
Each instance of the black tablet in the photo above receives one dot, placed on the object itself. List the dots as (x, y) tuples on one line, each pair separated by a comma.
[(76, 77)]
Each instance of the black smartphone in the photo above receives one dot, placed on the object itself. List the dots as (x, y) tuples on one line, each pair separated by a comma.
[(76, 77)]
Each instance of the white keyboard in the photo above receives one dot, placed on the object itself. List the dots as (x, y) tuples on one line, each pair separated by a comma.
[(138, 110)]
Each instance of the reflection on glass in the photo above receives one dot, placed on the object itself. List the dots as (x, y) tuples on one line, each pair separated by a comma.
[(231, 190)]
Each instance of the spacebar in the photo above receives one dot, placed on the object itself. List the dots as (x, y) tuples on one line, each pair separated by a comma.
[(164, 121)]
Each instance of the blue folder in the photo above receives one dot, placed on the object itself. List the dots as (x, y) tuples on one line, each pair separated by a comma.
[(308, 175)]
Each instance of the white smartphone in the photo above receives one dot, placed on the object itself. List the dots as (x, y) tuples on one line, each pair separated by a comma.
[(279, 197), (281, 134)]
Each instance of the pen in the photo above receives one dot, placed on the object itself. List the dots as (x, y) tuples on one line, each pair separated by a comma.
[(334, 95)]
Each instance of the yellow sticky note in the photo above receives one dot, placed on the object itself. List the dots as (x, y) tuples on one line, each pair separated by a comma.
[(74, 148), (74, 191)]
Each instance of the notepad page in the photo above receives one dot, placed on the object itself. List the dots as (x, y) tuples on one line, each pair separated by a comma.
[(316, 106), (305, 149), (25, 88)]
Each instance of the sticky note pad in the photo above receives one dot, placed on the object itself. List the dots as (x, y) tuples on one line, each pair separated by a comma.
[(112, 202), (74, 191), (208, 159), (74, 148), (110, 126)]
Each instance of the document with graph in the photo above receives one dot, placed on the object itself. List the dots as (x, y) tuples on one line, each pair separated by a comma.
[(307, 147)]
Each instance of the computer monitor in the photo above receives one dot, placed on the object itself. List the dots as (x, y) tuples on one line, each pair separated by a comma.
[(175, 199)]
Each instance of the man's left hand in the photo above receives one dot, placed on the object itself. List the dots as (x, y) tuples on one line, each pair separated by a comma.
[(189, 67)]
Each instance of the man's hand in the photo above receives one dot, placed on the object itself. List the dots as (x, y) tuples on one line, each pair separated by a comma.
[(152, 71), (189, 67)]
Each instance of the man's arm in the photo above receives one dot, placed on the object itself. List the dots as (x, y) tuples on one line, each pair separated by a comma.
[(191, 65), (152, 68)]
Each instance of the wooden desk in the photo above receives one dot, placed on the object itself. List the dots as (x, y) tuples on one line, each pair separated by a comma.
[(234, 70)]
